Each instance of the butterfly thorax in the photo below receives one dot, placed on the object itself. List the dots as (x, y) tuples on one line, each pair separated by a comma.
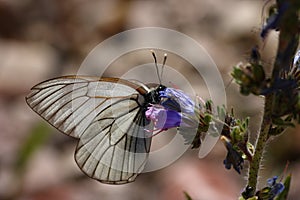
[(153, 97)]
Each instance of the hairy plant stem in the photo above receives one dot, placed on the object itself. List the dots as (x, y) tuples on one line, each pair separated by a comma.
[(260, 144), (288, 43)]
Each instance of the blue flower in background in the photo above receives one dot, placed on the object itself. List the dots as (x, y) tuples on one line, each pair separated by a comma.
[(276, 188), (233, 157), (272, 190), (273, 20), (297, 60)]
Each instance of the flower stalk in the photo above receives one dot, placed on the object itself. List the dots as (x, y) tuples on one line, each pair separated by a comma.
[(288, 43), (260, 144)]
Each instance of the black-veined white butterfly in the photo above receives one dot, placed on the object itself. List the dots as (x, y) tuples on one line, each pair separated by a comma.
[(107, 115)]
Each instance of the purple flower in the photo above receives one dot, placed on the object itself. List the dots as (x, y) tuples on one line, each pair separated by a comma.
[(163, 119), (176, 109), (272, 181), (233, 157), (177, 100), (272, 190), (276, 188)]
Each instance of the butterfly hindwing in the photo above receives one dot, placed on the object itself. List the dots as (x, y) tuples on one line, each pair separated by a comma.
[(108, 118)]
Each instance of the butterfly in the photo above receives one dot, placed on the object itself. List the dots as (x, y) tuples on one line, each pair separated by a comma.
[(107, 116)]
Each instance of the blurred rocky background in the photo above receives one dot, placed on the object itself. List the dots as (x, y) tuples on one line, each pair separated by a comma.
[(41, 39)]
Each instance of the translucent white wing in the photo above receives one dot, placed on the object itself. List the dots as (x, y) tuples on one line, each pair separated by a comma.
[(108, 118), (208, 143)]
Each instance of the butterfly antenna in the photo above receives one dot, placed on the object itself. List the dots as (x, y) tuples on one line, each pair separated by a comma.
[(156, 66), (163, 65)]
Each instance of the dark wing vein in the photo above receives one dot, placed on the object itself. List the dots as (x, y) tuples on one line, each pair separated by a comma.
[(106, 116), (114, 155)]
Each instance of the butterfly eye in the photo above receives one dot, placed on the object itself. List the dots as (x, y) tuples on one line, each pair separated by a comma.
[(161, 88)]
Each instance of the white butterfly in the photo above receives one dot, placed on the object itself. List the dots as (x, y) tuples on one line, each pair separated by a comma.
[(107, 115)]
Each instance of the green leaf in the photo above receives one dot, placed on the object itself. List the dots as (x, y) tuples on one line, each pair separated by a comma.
[(285, 123), (283, 195), (276, 131), (221, 112), (31, 144), (251, 198), (258, 73), (207, 118)]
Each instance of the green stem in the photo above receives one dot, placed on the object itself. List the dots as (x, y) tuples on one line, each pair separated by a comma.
[(288, 43), (260, 144)]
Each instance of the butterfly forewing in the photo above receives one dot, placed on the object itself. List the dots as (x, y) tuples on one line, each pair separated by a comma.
[(107, 115)]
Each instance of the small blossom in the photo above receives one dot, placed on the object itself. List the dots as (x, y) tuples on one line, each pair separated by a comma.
[(163, 119), (233, 157), (177, 99), (272, 190), (176, 109), (272, 181), (276, 188)]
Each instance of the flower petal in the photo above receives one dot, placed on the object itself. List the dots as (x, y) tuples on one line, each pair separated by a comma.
[(179, 98), (163, 119)]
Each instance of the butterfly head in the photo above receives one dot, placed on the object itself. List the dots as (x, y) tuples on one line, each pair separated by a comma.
[(154, 96), (171, 108)]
